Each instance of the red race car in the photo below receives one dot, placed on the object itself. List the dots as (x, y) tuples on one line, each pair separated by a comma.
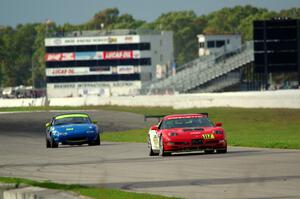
[(186, 132)]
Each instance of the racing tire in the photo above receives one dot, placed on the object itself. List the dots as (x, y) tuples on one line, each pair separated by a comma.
[(48, 144), (162, 152), (96, 142), (151, 152), (222, 150), (53, 144), (209, 151)]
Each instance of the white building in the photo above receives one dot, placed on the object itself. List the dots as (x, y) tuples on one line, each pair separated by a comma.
[(210, 44), (100, 63)]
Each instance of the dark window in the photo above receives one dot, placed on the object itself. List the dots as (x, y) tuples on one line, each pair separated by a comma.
[(220, 43), (210, 44), (201, 45), (91, 63), (107, 47), (94, 78)]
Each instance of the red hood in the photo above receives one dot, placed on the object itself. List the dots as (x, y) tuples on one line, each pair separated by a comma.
[(192, 133)]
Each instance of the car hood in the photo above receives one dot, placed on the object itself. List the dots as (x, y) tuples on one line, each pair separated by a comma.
[(195, 132), (75, 127)]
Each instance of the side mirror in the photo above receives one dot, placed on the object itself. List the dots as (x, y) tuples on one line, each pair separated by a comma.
[(48, 124), (94, 121), (218, 124), (154, 128)]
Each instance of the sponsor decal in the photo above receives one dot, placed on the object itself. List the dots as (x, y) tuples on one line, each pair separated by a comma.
[(112, 40), (67, 56), (125, 69), (62, 72), (57, 41), (122, 54), (60, 56), (88, 55), (208, 136), (100, 69), (127, 38)]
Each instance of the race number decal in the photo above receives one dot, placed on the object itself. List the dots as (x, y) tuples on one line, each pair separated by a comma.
[(155, 140), (208, 136)]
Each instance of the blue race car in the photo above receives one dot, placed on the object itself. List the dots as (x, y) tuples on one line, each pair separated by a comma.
[(72, 129)]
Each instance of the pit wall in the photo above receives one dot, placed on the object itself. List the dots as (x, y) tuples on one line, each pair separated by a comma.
[(259, 99)]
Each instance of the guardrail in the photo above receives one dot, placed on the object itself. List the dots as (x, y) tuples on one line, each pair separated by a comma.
[(253, 99)]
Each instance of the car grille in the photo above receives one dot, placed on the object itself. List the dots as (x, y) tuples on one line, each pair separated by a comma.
[(77, 139), (212, 142), (192, 129), (197, 141)]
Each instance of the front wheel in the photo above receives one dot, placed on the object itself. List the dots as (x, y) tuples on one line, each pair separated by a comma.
[(162, 151), (222, 150), (209, 151), (96, 142), (53, 144), (48, 144), (151, 153)]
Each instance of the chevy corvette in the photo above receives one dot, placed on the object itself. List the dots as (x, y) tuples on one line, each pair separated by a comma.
[(186, 132)]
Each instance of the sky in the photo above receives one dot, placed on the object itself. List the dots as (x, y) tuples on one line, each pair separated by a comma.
[(13, 12)]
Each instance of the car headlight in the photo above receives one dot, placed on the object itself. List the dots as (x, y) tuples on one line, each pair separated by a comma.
[(55, 133), (218, 132)]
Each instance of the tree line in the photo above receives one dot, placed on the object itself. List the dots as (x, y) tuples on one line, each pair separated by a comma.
[(22, 48)]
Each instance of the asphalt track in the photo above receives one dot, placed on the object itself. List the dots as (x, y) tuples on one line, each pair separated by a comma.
[(242, 173)]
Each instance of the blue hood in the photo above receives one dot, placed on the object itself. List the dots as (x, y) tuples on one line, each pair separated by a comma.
[(75, 128)]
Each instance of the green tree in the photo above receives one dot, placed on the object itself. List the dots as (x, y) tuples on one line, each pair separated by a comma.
[(185, 25), (293, 13), (106, 17)]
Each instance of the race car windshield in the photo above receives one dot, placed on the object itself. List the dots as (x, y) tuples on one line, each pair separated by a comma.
[(186, 123), (72, 120)]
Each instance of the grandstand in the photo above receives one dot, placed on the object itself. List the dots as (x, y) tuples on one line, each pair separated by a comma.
[(210, 73), (106, 63)]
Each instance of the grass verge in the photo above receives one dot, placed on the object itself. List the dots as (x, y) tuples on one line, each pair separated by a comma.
[(96, 193), (271, 128)]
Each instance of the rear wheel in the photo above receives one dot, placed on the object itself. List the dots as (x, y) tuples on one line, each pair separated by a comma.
[(162, 151)]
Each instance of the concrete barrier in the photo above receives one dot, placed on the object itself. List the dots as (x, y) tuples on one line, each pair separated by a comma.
[(10, 192), (257, 99)]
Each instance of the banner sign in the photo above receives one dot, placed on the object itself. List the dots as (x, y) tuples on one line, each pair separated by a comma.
[(78, 71), (93, 55), (71, 41)]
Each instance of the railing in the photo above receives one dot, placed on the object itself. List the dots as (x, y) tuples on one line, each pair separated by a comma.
[(202, 71), (103, 32)]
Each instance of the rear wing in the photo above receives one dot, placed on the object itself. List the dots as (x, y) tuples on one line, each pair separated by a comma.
[(161, 116), (153, 116), (206, 114)]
